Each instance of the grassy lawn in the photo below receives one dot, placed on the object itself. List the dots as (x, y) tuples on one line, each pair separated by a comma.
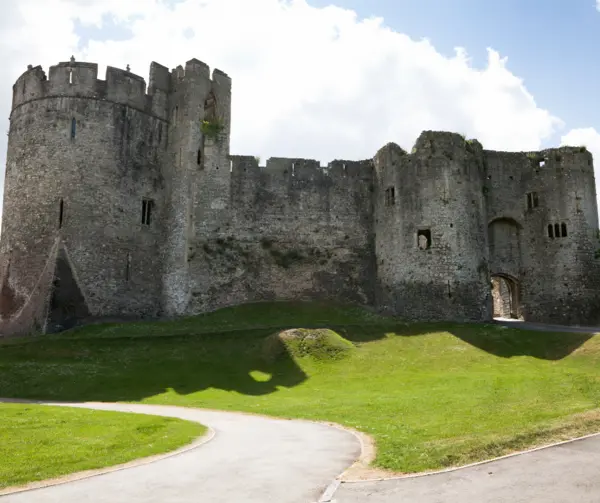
[(38, 442), (431, 395)]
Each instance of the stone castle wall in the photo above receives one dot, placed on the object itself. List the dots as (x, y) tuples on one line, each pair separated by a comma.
[(289, 230), (138, 210)]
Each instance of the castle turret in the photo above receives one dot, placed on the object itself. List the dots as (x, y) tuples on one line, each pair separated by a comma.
[(82, 201), (197, 171), (543, 232), (431, 242)]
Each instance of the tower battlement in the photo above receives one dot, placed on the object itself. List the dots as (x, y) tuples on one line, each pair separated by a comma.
[(78, 79), (122, 199)]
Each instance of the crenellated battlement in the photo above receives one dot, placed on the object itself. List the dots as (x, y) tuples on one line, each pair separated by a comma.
[(80, 80), (301, 169)]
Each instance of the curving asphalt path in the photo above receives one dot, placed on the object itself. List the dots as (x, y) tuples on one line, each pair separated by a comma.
[(253, 460), (566, 473)]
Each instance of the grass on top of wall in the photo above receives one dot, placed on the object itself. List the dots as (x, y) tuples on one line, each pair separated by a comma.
[(39, 442), (431, 395)]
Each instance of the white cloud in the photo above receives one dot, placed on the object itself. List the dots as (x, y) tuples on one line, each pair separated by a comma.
[(307, 82)]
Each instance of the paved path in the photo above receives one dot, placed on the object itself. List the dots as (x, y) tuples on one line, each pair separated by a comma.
[(567, 473), (251, 459), (545, 327)]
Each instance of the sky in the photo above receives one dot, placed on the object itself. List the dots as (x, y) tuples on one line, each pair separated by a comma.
[(338, 79)]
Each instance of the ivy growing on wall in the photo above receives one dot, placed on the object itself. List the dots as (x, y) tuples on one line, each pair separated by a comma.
[(212, 128)]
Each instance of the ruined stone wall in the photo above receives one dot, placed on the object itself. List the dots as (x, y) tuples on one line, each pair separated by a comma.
[(82, 155), (525, 194), (430, 224), (289, 230)]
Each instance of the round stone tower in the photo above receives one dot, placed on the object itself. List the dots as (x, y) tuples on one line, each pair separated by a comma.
[(431, 239), (84, 199)]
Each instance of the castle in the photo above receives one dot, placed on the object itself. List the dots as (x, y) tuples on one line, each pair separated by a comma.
[(124, 202)]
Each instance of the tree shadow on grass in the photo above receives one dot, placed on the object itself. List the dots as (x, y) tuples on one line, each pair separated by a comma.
[(505, 342), (133, 369), (137, 368)]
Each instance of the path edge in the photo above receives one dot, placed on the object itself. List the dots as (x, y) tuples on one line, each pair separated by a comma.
[(87, 474)]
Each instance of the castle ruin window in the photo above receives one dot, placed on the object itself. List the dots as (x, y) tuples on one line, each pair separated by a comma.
[(557, 230), (424, 239), (210, 107), (128, 268), (199, 158), (70, 75), (61, 212), (147, 207), (390, 196), (73, 127), (532, 200)]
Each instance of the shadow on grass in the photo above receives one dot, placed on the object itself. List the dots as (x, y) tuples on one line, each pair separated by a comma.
[(139, 361), (505, 342)]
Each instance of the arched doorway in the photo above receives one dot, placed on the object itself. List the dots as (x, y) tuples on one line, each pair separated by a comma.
[(505, 293)]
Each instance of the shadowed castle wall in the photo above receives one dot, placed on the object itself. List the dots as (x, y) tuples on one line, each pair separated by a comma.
[(430, 227), (290, 230), (82, 154)]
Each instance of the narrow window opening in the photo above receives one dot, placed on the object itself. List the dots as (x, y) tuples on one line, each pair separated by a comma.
[(230, 166), (424, 239), (449, 290), (175, 113), (556, 230), (199, 157), (147, 206), (61, 212), (70, 76), (73, 127), (390, 196), (532, 200), (293, 169), (550, 231), (159, 134), (563, 230), (128, 268)]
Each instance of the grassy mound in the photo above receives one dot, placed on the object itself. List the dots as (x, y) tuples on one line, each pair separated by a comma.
[(319, 343), (38, 442), (432, 394)]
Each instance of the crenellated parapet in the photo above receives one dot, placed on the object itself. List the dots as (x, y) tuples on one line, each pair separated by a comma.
[(80, 80), (302, 169)]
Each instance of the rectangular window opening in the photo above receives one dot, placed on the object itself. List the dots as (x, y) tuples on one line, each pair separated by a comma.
[(61, 211), (70, 76), (199, 157), (128, 268), (390, 196), (532, 200), (147, 207), (556, 230), (563, 230), (550, 231), (424, 239), (73, 127)]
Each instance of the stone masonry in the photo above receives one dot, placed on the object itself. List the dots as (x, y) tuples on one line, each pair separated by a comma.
[(123, 202)]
